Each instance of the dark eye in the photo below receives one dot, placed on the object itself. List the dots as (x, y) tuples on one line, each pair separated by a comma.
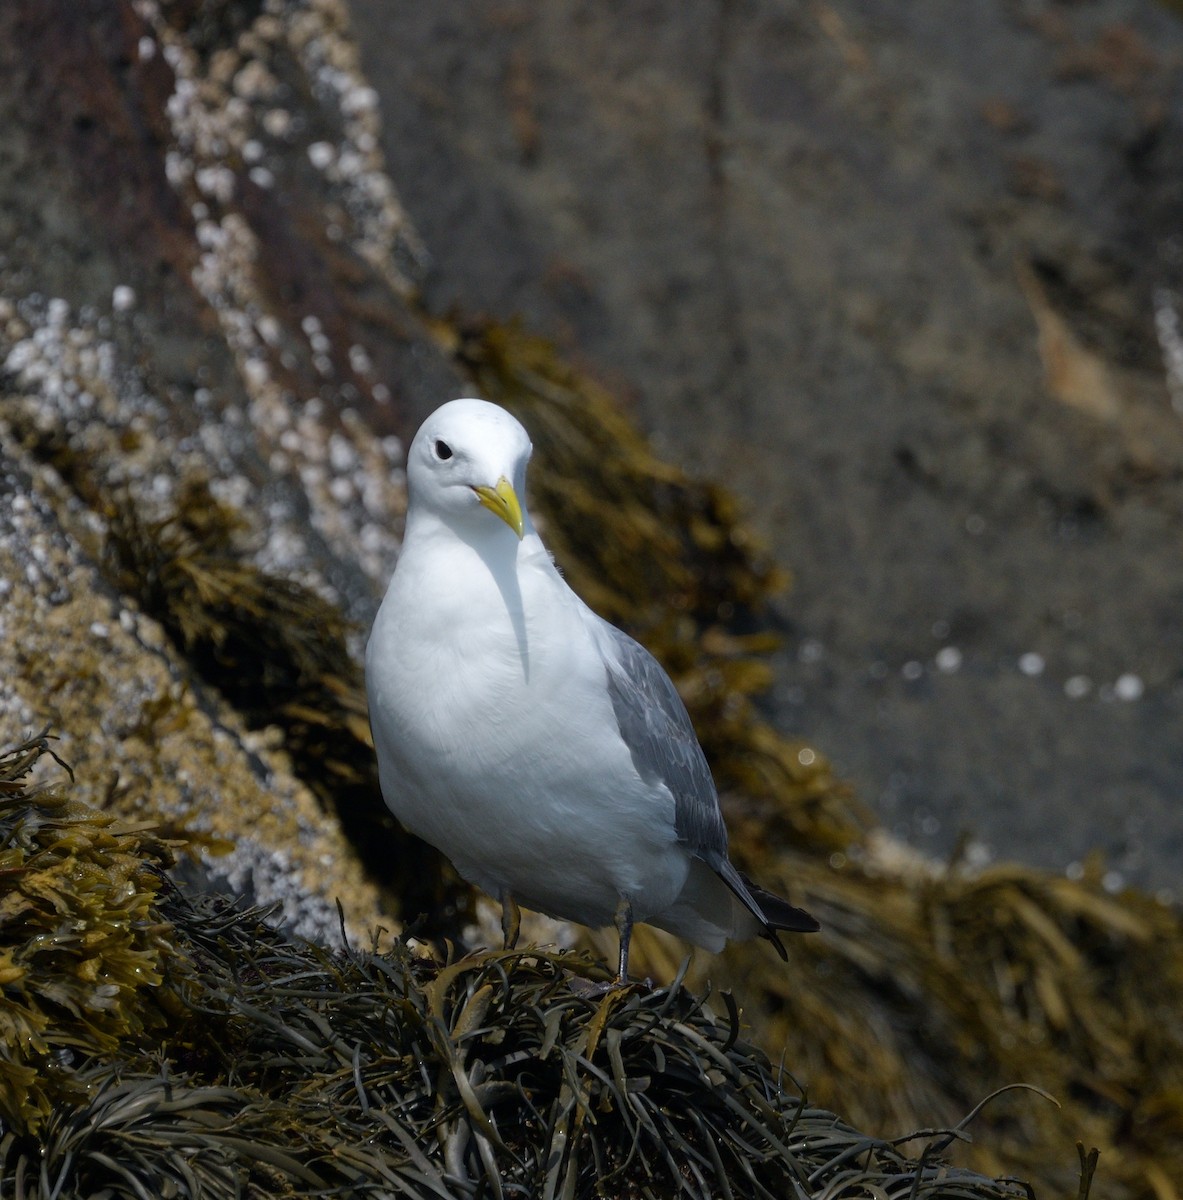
[(442, 449)]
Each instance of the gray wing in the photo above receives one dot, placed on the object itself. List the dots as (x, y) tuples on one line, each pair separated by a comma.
[(656, 728)]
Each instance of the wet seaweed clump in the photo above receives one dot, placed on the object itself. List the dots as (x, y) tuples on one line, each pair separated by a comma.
[(272, 1067), (83, 950)]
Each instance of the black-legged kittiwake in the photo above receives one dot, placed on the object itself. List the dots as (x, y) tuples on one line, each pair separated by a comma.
[(545, 752)]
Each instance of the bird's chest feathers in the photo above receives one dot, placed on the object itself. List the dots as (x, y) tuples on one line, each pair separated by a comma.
[(494, 646)]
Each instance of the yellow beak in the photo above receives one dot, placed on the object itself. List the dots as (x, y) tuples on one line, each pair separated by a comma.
[(503, 501)]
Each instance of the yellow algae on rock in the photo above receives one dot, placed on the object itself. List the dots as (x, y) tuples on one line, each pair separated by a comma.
[(148, 740)]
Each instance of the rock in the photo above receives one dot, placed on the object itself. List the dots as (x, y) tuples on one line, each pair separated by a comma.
[(200, 446)]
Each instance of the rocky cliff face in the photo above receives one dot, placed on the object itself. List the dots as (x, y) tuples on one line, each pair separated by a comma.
[(908, 280), (201, 310), (219, 324)]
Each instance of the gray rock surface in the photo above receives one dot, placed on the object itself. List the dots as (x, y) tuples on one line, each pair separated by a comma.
[(902, 276), (189, 315)]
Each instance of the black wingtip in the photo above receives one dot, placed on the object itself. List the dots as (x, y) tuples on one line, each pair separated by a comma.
[(774, 913), (780, 914)]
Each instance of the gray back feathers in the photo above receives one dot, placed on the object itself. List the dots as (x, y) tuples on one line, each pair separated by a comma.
[(656, 728)]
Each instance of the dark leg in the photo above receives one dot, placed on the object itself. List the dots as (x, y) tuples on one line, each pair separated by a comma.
[(511, 920), (624, 926)]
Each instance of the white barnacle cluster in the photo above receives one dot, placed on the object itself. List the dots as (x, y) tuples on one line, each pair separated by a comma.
[(269, 876), (355, 164), (68, 381), (31, 551), (1170, 342), (226, 109)]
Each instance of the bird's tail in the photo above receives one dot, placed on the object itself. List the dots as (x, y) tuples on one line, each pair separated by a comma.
[(771, 911)]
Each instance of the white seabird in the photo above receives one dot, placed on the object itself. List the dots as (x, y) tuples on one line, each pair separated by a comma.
[(545, 752)]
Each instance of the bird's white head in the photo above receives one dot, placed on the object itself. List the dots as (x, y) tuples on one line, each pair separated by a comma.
[(467, 464)]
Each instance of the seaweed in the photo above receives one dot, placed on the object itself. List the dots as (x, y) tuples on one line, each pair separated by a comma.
[(279, 1068), (83, 949)]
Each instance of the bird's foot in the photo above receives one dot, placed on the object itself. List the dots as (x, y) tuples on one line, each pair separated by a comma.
[(593, 989)]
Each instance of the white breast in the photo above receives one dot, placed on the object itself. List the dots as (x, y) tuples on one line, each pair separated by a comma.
[(496, 739)]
